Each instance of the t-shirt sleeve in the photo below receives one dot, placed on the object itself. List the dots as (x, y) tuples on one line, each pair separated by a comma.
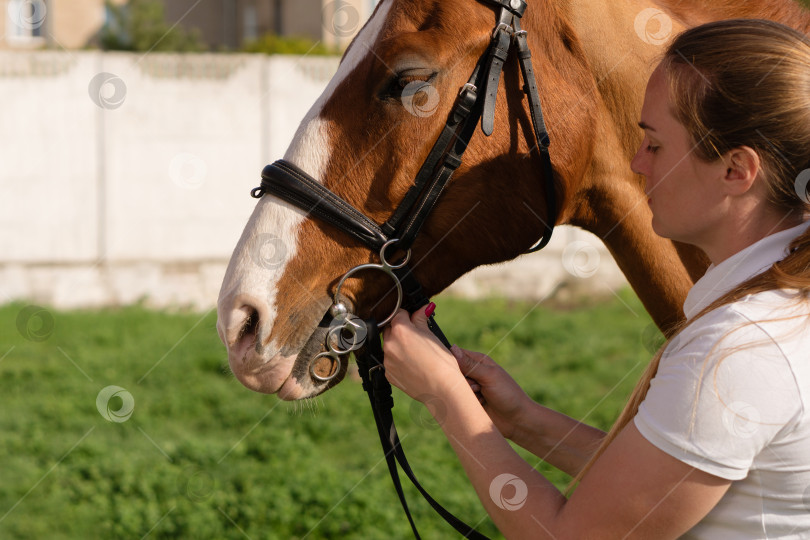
[(723, 392)]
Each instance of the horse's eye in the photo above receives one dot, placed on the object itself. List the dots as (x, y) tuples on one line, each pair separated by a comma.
[(401, 81), (405, 80)]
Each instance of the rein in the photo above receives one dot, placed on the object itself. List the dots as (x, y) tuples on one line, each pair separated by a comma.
[(282, 179)]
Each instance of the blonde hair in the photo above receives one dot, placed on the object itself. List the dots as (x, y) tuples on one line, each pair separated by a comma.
[(734, 83)]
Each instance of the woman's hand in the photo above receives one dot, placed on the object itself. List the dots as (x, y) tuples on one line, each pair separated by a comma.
[(416, 362), (502, 397)]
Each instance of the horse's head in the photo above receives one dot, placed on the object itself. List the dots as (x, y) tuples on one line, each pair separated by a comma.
[(365, 139)]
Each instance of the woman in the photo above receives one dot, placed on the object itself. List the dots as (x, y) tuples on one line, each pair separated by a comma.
[(715, 441)]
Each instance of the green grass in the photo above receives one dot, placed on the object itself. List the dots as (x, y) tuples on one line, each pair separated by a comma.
[(203, 457)]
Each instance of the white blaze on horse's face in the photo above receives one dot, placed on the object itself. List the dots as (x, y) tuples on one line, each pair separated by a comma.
[(248, 306)]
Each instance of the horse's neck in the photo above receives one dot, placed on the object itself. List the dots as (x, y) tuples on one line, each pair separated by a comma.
[(620, 60), (694, 12), (609, 199)]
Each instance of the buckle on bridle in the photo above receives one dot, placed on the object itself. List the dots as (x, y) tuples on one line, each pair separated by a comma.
[(372, 369), (503, 27), (467, 88)]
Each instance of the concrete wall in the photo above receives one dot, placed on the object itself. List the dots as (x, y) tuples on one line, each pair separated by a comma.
[(126, 177)]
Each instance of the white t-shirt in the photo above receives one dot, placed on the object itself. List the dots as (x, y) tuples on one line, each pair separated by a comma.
[(732, 398)]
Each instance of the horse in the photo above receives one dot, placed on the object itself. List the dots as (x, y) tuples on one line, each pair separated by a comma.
[(366, 137)]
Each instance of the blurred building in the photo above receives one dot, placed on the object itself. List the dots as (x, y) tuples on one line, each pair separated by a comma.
[(230, 23), (68, 24), (75, 24)]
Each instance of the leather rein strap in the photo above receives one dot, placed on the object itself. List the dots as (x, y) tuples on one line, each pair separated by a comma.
[(475, 102)]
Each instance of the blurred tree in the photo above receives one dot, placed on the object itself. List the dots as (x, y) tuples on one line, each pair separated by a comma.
[(273, 44), (140, 25)]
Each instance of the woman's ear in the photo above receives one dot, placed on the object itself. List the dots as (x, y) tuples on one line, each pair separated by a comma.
[(742, 168)]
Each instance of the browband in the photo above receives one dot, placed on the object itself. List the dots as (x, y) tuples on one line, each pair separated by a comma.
[(284, 180)]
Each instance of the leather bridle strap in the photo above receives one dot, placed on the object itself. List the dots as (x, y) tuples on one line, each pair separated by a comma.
[(506, 32), (501, 42), (540, 133), (442, 161), (372, 373), (290, 184)]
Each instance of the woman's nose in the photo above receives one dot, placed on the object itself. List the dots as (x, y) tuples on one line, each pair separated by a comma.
[(638, 163)]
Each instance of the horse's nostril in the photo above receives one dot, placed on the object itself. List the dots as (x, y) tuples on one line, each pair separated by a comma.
[(240, 324), (248, 332), (250, 325)]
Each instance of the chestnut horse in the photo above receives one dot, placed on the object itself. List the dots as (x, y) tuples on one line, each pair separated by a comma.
[(365, 141)]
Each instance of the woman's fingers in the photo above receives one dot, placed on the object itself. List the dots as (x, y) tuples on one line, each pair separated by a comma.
[(419, 319), (474, 365), (400, 317)]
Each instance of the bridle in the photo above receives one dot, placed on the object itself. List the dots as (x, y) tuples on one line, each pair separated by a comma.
[(289, 183), (475, 101)]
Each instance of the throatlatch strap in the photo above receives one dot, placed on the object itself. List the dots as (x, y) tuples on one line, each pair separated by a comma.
[(540, 133)]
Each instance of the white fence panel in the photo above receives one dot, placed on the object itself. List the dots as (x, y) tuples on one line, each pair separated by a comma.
[(48, 157)]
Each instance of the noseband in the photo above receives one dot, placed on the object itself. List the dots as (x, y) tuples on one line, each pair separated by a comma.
[(475, 101)]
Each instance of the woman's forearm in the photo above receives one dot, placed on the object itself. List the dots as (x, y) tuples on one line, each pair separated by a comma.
[(556, 438), (521, 502)]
